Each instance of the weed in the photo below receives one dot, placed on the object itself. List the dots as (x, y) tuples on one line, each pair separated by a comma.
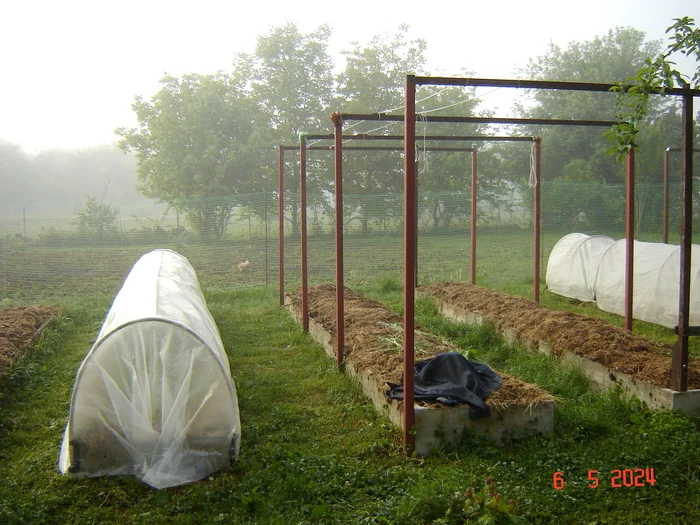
[(487, 506)]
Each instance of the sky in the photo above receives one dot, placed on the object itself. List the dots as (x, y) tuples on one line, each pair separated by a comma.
[(70, 68)]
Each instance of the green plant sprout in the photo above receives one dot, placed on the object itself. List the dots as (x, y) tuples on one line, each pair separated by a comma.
[(486, 506)]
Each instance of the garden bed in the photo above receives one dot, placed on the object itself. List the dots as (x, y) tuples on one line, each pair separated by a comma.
[(21, 328), (608, 354), (373, 344)]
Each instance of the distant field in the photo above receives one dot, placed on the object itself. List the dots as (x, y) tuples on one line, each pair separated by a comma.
[(30, 272), (504, 258)]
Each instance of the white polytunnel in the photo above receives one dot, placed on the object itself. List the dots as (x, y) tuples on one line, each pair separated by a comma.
[(656, 282), (154, 397), (573, 264)]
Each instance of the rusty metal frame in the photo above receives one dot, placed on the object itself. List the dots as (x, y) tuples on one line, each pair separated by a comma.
[(411, 228), (281, 185), (680, 353)]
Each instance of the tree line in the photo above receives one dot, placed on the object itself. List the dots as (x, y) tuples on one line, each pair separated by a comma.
[(205, 141)]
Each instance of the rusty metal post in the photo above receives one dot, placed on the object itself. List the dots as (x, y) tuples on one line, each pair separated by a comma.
[(415, 266), (667, 164), (629, 236), (473, 224), (281, 222), (409, 261), (304, 239), (537, 219), (679, 359), (339, 275)]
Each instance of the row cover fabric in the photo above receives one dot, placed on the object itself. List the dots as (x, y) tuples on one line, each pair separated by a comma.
[(154, 397), (656, 282), (573, 265), (450, 378), (592, 268)]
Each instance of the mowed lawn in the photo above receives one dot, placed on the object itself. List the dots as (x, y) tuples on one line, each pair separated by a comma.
[(315, 451)]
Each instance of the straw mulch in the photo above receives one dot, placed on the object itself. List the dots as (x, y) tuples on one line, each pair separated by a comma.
[(616, 348), (21, 328), (374, 340)]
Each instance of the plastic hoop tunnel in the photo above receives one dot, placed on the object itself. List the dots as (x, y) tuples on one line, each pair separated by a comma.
[(154, 397)]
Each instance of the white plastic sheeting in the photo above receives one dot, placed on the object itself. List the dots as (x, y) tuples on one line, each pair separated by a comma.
[(154, 397), (573, 264), (656, 279)]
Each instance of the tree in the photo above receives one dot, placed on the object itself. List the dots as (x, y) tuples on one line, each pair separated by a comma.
[(96, 219), (603, 59), (633, 102), (291, 80), (192, 146), (445, 177), (16, 172), (373, 81)]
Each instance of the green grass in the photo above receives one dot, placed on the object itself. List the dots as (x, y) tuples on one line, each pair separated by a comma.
[(315, 451)]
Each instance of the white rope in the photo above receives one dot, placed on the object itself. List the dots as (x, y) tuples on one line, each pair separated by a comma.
[(532, 181)]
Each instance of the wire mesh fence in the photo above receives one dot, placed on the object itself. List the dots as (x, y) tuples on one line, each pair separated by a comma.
[(47, 255)]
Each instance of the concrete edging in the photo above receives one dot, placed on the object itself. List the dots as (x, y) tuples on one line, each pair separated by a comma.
[(437, 427), (599, 376)]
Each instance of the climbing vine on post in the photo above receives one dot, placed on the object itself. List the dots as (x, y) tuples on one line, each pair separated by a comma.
[(655, 76)]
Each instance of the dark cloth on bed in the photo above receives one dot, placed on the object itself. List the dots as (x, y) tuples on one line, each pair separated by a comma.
[(450, 378)]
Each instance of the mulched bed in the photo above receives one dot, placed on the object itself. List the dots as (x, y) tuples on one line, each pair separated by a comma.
[(616, 348), (21, 328), (374, 339)]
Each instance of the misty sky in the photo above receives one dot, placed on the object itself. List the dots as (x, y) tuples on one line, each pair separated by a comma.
[(71, 68)]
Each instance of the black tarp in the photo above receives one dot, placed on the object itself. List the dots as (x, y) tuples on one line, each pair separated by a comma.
[(450, 378)]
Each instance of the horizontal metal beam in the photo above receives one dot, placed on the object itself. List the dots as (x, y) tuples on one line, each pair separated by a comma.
[(691, 330), (376, 148), (533, 84), (468, 138), (479, 120), (678, 150)]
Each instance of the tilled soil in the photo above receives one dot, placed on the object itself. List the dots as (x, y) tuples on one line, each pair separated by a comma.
[(374, 339), (616, 348), (20, 328)]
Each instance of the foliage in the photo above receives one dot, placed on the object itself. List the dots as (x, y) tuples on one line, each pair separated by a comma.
[(633, 100), (290, 79), (486, 506), (16, 171), (373, 81), (578, 153), (56, 180), (191, 145), (96, 219)]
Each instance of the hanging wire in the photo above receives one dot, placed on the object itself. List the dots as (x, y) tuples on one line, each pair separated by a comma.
[(532, 181), (393, 123), (424, 164)]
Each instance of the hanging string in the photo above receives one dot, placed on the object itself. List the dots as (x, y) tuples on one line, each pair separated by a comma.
[(422, 156), (532, 181)]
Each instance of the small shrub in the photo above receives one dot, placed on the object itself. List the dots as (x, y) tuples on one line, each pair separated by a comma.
[(390, 284), (487, 506)]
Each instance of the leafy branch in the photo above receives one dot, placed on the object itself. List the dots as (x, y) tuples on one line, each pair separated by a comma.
[(654, 77)]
